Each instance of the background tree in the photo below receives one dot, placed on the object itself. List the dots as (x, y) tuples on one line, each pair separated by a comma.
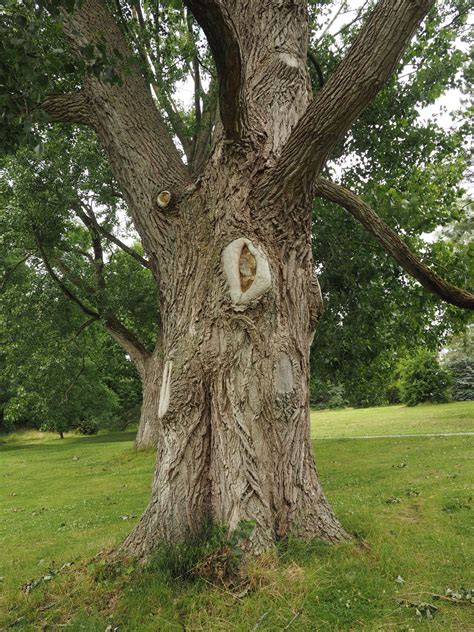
[(59, 371), (72, 274), (462, 371), (458, 357), (227, 238)]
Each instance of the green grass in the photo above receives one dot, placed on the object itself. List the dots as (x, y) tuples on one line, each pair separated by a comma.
[(407, 499), (383, 420)]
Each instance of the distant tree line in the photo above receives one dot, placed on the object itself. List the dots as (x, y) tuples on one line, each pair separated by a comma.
[(419, 377)]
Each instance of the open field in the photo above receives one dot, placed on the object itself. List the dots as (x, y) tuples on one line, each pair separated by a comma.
[(384, 420), (408, 500)]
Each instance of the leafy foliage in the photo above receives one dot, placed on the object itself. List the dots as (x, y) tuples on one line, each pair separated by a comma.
[(423, 379), (60, 369), (410, 170), (462, 371), (326, 395)]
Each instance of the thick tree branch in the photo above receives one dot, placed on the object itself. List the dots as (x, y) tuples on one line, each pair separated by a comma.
[(142, 155), (68, 108), (128, 341), (214, 16), (392, 244), (350, 88)]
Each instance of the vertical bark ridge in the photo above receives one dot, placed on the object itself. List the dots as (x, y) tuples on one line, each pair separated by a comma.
[(180, 502)]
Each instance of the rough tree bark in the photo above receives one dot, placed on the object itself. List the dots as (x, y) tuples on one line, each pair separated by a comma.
[(148, 428), (226, 393)]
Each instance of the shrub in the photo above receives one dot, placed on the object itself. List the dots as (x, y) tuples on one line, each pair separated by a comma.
[(462, 371), (326, 395), (422, 379), (88, 426)]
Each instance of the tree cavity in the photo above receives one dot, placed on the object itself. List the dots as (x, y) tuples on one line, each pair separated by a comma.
[(247, 272)]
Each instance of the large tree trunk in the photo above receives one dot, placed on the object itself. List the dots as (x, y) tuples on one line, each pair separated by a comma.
[(239, 306), (231, 253)]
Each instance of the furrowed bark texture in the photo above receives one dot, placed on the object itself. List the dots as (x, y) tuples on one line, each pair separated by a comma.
[(148, 428), (233, 441), (239, 301), (67, 108)]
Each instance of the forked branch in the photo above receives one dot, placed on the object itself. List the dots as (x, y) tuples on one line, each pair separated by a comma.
[(351, 87), (392, 244), (90, 220), (124, 336), (62, 285)]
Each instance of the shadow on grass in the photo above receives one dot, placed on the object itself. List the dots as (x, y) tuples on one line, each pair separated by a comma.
[(67, 442)]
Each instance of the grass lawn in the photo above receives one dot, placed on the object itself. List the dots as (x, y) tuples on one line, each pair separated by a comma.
[(408, 500), (383, 420)]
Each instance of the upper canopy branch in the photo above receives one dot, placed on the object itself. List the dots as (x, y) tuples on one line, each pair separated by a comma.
[(350, 88), (118, 242), (392, 244), (216, 21), (128, 341)]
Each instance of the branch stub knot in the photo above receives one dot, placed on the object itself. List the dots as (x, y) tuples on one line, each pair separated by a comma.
[(163, 199)]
